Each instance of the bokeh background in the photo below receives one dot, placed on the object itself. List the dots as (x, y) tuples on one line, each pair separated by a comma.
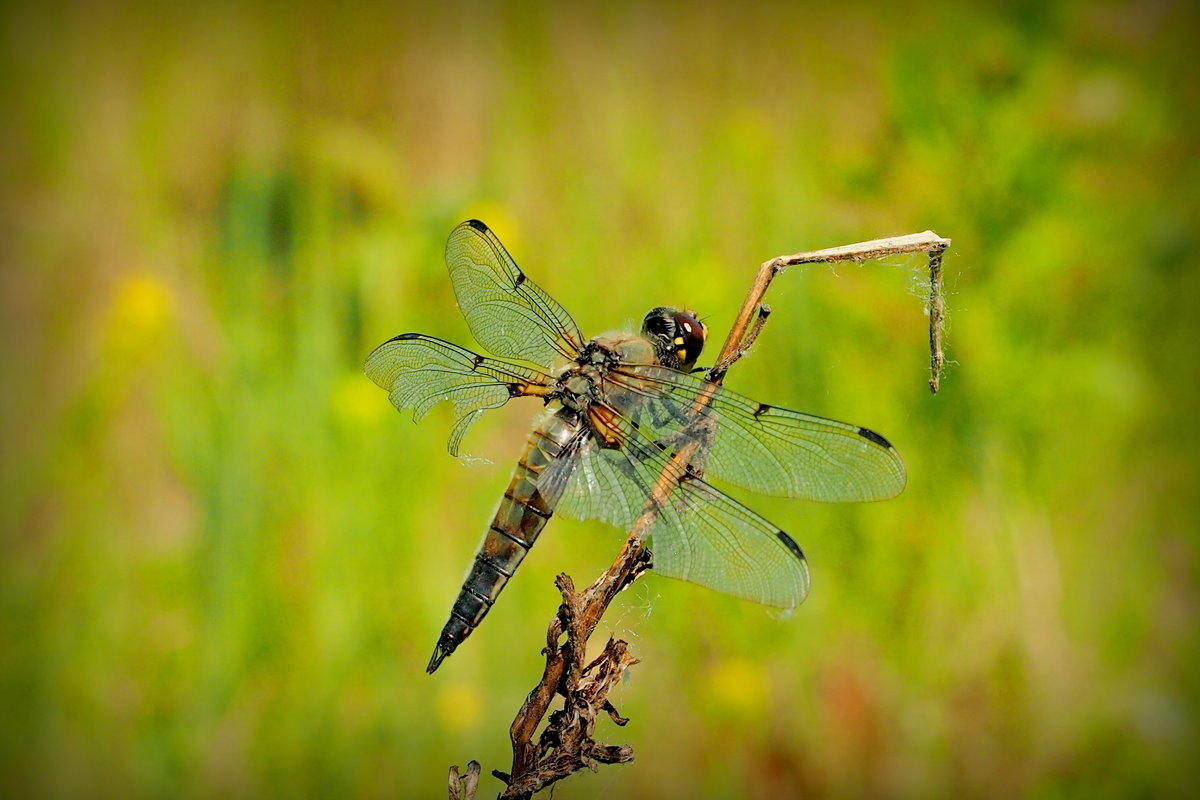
[(226, 558)]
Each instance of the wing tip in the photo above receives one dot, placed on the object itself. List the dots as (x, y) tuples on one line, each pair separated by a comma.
[(401, 337), (877, 438), (790, 544), (806, 580), (372, 355), (477, 225)]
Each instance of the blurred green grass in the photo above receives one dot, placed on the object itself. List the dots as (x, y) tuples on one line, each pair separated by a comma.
[(226, 558)]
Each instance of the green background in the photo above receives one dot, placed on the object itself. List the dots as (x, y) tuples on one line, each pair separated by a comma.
[(226, 558)]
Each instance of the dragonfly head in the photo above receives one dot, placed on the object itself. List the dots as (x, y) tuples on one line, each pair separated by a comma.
[(677, 336)]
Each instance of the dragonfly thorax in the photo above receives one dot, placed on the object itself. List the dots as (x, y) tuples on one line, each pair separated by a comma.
[(578, 385), (599, 354)]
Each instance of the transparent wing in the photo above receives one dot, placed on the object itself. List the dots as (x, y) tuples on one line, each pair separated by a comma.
[(604, 486), (508, 314), (699, 534), (420, 371), (760, 447)]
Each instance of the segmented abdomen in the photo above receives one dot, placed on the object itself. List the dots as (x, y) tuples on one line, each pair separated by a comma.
[(522, 514)]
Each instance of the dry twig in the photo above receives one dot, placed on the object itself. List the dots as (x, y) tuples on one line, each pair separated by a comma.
[(566, 744), (463, 788)]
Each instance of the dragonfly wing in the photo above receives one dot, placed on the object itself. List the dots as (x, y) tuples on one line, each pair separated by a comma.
[(420, 371), (699, 534), (764, 448), (604, 486), (510, 315), (556, 477)]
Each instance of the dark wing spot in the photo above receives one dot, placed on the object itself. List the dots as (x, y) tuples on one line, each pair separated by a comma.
[(479, 360), (477, 225), (659, 445), (515, 390), (519, 279), (872, 436), (404, 336), (790, 544), (762, 409)]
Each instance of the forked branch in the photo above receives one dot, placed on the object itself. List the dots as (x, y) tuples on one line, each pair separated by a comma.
[(566, 744), (927, 242)]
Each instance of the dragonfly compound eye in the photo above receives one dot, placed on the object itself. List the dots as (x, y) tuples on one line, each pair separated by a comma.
[(659, 323), (689, 338), (677, 335)]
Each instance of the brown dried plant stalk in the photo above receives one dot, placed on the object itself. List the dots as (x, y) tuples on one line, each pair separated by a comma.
[(565, 745)]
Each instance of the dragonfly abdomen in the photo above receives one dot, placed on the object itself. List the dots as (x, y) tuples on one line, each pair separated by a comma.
[(519, 519)]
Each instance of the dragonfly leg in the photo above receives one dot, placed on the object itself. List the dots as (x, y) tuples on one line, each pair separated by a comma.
[(721, 367)]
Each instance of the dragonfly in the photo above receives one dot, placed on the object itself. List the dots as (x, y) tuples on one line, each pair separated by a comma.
[(622, 413)]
